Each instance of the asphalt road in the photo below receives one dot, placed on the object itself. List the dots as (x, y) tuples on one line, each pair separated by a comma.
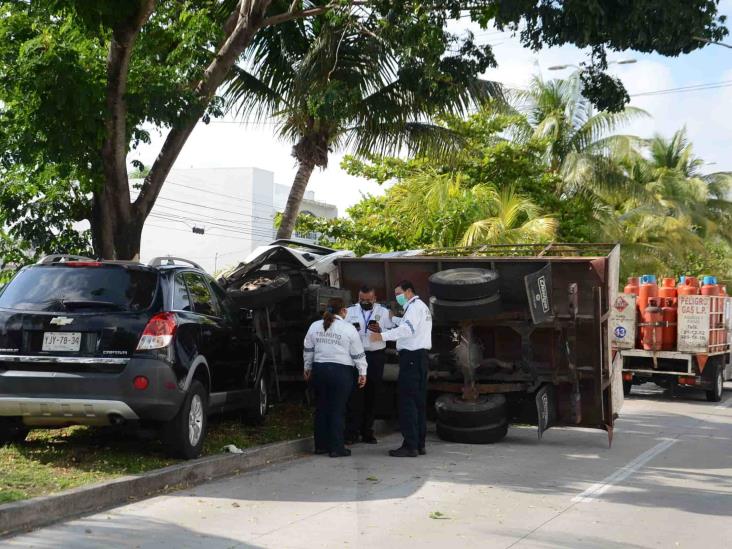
[(666, 482)]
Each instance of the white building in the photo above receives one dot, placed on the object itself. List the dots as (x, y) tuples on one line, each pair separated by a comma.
[(216, 216)]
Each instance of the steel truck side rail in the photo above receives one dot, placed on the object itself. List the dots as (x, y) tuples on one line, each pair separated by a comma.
[(554, 365)]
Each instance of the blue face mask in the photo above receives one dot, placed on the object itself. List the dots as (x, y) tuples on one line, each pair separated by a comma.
[(402, 300)]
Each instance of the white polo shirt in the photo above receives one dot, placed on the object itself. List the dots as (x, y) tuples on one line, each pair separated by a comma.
[(379, 313), (340, 343), (414, 329)]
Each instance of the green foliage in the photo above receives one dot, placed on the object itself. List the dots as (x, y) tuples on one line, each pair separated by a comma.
[(54, 77), (557, 172), (53, 67)]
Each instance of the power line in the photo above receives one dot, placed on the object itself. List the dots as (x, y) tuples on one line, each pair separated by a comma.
[(188, 232), (233, 230), (208, 192), (174, 210), (682, 89)]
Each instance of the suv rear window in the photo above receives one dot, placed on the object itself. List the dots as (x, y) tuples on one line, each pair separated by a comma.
[(61, 288)]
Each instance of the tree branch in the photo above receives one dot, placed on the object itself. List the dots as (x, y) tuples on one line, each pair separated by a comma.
[(250, 18), (290, 15)]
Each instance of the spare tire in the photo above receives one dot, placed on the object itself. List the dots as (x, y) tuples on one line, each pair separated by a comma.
[(486, 434), (456, 412), (456, 311), (464, 284), (274, 291)]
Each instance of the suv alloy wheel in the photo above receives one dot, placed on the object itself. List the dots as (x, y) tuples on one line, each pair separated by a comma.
[(185, 433)]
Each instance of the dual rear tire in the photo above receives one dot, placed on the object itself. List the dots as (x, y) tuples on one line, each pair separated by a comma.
[(464, 294), (483, 421)]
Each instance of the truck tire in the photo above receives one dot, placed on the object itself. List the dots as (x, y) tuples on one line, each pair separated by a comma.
[(486, 434), (184, 435), (456, 412), (464, 284), (456, 311), (279, 289), (627, 387), (12, 430), (715, 394)]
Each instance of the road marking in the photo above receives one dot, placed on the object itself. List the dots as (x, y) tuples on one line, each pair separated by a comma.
[(596, 490)]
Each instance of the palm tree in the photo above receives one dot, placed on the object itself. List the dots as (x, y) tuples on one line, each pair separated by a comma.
[(677, 212), (442, 210), (332, 86), (581, 144)]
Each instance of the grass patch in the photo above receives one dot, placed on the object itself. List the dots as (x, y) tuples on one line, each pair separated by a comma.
[(52, 460)]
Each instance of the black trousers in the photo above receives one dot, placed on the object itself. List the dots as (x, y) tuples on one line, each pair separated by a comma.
[(413, 397), (361, 410), (332, 384)]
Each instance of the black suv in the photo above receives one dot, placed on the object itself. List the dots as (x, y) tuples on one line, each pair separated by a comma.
[(106, 342)]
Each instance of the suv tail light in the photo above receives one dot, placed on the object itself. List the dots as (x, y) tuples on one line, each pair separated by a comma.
[(158, 333)]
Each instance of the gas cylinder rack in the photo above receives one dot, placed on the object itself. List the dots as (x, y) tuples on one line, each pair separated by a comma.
[(673, 334)]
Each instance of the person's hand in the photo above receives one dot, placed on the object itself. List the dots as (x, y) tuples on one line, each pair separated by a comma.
[(391, 313), (307, 375), (361, 382), (375, 336)]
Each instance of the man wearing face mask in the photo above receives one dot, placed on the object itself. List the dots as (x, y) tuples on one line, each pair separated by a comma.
[(367, 317), (413, 336)]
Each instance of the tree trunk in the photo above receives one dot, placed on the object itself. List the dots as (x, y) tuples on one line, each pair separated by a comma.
[(294, 200), (116, 222)]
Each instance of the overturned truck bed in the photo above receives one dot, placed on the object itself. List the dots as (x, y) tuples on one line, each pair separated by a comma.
[(520, 333)]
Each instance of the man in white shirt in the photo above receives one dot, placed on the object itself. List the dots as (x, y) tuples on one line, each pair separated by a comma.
[(413, 336), (367, 316)]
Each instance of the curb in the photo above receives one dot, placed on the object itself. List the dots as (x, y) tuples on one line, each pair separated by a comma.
[(34, 513)]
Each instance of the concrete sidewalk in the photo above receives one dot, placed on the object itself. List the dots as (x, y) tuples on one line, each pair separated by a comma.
[(667, 482)]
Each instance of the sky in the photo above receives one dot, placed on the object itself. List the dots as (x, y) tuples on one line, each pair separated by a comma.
[(707, 114)]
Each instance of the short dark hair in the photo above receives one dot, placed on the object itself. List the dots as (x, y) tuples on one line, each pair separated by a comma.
[(366, 289), (405, 285)]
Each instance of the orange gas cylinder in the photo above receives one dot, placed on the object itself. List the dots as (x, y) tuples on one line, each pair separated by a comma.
[(688, 285), (652, 331), (648, 289), (633, 285), (667, 288), (711, 288), (669, 315)]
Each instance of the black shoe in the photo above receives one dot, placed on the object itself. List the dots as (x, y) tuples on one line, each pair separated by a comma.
[(350, 441), (369, 439), (403, 453), (341, 453), (320, 451), (422, 451)]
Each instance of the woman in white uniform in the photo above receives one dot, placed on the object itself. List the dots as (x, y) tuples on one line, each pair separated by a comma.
[(332, 348)]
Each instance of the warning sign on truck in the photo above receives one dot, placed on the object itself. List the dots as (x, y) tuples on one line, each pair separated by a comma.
[(622, 322), (694, 326)]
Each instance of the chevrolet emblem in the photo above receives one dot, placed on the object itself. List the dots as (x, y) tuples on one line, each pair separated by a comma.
[(61, 320)]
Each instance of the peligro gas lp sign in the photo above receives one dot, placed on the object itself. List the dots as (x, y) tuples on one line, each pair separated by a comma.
[(694, 323)]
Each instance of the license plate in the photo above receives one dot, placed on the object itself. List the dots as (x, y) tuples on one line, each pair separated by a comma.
[(61, 341)]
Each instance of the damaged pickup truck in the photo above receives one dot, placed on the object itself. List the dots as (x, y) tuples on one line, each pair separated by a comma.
[(520, 332)]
